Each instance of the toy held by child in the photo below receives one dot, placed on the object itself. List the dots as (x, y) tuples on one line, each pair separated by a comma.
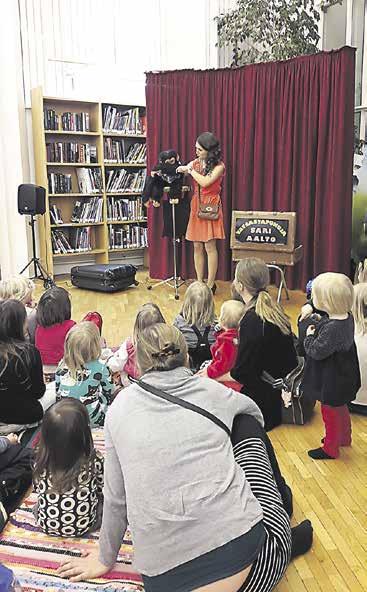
[(332, 373), (54, 322), (359, 405), (224, 351), (68, 473), (81, 375), (123, 361), (197, 323)]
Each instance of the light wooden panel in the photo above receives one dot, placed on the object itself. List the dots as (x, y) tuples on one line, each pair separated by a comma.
[(332, 494)]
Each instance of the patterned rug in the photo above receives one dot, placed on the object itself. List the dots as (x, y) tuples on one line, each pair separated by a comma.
[(34, 557)]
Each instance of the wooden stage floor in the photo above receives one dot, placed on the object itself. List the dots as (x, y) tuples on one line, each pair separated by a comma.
[(332, 494)]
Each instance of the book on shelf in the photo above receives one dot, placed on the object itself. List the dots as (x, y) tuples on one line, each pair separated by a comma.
[(120, 209), (123, 181), (59, 183), (89, 180), (124, 121), (137, 154), (127, 236), (77, 241), (75, 122), (88, 211), (55, 215), (50, 120), (114, 150), (71, 152)]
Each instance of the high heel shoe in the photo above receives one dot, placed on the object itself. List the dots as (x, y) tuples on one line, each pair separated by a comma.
[(214, 288)]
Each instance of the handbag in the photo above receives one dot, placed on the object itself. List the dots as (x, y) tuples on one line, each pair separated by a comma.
[(300, 407), (176, 401), (208, 211)]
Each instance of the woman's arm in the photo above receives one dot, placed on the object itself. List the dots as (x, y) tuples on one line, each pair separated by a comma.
[(206, 180), (114, 523)]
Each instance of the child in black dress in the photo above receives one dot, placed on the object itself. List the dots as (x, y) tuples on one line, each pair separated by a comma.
[(332, 371)]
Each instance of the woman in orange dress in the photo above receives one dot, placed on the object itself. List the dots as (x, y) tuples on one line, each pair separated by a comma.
[(207, 170)]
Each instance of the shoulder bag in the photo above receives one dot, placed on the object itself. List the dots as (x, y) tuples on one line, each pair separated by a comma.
[(207, 211)]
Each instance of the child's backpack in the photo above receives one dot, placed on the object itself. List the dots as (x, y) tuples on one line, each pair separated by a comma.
[(201, 353), (300, 407)]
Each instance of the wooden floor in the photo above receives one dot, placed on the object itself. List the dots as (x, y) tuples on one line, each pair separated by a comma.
[(332, 494)]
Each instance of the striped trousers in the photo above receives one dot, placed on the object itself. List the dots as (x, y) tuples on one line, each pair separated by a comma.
[(269, 567)]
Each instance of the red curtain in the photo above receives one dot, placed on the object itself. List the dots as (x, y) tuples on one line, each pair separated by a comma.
[(286, 130)]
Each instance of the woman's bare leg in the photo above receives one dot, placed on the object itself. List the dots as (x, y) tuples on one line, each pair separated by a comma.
[(199, 260), (212, 253)]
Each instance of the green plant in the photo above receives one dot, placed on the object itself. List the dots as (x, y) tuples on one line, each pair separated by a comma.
[(264, 30)]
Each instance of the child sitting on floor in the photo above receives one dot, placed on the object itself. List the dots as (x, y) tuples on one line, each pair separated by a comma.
[(53, 323), (18, 287), (123, 361), (332, 371), (224, 350), (68, 473), (359, 405), (82, 375), (196, 322)]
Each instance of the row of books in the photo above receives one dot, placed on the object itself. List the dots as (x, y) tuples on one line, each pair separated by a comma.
[(118, 119), (72, 152), (89, 180), (137, 154), (70, 122), (120, 209), (88, 210), (55, 215), (123, 181), (128, 236), (59, 183), (76, 241)]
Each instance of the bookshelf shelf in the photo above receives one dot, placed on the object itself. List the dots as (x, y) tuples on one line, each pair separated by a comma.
[(98, 118), (71, 133), (137, 221), (78, 253), (129, 250), (77, 164), (118, 135), (124, 164), (76, 224), (75, 194)]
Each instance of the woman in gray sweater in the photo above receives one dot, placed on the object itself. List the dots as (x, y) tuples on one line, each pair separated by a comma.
[(205, 513)]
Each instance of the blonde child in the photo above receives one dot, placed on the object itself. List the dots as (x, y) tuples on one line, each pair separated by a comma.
[(123, 361), (18, 287), (81, 375), (224, 351), (332, 371), (68, 473), (359, 405), (196, 322)]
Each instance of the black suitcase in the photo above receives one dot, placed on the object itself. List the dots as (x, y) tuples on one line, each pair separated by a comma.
[(107, 277)]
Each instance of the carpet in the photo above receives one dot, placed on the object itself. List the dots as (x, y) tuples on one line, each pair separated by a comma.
[(34, 556)]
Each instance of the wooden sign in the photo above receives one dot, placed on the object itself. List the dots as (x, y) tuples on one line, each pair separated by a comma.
[(263, 231)]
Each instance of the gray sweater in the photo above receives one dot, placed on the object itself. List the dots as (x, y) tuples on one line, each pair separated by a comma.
[(171, 475)]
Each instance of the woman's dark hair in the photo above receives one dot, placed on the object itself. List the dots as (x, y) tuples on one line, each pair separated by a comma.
[(210, 143), (12, 339), (66, 447), (54, 307)]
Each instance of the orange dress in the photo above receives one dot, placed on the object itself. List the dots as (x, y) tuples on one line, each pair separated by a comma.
[(199, 230)]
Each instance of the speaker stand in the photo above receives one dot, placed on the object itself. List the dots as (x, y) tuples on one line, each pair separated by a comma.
[(40, 273)]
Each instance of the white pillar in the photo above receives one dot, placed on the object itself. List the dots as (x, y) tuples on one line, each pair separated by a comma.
[(13, 235)]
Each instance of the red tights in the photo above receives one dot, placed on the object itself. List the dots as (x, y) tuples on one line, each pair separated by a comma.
[(338, 429)]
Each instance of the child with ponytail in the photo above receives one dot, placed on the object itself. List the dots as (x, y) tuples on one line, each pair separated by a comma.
[(266, 341)]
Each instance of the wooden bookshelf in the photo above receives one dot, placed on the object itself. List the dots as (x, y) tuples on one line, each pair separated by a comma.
[(94, 135)]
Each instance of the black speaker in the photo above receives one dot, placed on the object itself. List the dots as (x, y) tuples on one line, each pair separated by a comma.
[(31, 199)]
